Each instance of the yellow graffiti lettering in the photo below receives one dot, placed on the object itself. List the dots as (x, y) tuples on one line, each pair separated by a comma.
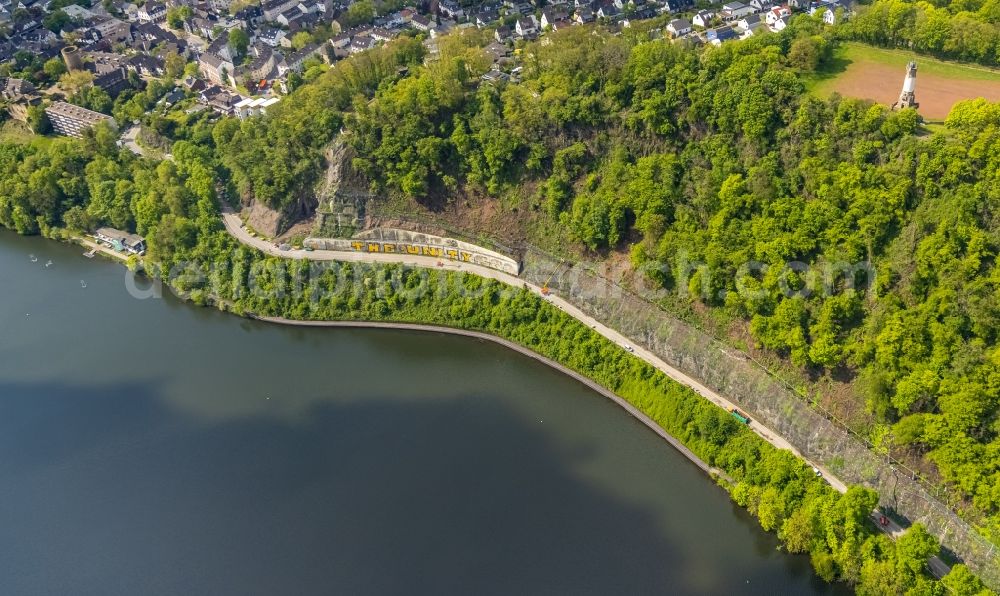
[(452, 254), (466, 256), (389, 248), (357, 245), (413, 250), (431, 251), (374, 247)]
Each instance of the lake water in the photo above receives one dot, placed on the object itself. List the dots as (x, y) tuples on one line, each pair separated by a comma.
[(153, 447)]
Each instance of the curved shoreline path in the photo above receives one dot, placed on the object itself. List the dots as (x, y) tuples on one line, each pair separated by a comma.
[(234, 225)]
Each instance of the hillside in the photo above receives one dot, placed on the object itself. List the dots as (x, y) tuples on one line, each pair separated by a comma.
[(842, 239), (713, 170)]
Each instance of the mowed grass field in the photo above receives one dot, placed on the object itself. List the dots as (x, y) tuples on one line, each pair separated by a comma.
[(867, 72)]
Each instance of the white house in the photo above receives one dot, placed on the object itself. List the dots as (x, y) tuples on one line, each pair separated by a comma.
[(746, 22), (755, 28), (451, 9), (780, 24), (734, 10), (151, 12), (679, 27), (703, 18), (526, 27), (271, 36), (421, 23), (776, 13), (552, 16), (583, 15), (827, 11)]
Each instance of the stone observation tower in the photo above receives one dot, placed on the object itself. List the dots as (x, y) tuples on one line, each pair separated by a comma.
[(907, 98)]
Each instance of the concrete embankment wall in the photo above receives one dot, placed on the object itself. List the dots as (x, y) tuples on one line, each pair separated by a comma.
[(390, 240)]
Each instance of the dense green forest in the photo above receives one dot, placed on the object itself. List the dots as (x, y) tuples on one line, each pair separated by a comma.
[(719, 157), (677, 154), (963, 30)]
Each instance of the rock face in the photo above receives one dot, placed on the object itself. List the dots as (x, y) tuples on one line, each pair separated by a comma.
[(272, 222), (338, 201), (342, 196), (262, 218)]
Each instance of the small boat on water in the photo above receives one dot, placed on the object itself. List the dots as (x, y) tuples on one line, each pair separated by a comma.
[(90, 254), (33, 258), (49, 264), (83, 284)]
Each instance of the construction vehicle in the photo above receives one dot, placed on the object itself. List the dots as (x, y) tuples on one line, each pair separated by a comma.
[(740, 416)]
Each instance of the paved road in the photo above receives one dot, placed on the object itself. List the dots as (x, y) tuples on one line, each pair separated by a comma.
[(234, 226), (128, 140)]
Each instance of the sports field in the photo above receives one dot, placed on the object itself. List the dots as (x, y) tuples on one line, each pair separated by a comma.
[(868, 72)]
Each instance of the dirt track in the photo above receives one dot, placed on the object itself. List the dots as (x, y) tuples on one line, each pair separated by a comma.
[(936, 94)]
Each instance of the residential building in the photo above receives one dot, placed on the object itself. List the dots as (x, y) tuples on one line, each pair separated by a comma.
[(748, 21), (270, 36), (754, 28), (503, 34), (272, 8), (294, 62), (776, 13), (113, 82), (215, 68), (132, 244), (421, 23), (608, 11), (151, 12), (780, 24), (360, 43), (551, 16), (679, 27), (70, 120), (114, 30), (734, 10), (451, 8), (720, 34), (526, 27), (703, 18), (254, 107), (677, 5), (260, 68)]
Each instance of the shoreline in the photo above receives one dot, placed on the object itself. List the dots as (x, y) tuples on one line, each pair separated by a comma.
[(635, 412), (937, 567), (234, 226)]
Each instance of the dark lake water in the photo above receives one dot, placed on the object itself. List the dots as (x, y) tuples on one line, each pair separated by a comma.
[(153, 447)]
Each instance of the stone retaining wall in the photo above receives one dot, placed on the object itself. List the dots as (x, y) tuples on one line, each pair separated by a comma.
[(390, 240)]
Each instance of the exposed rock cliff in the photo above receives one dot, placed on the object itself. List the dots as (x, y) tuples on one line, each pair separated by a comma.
[(342, 195), (337, 199)]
